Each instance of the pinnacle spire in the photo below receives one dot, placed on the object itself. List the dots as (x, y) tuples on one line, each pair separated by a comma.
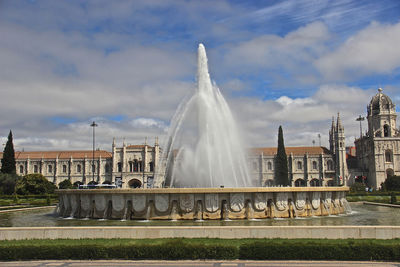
[(339, 123)]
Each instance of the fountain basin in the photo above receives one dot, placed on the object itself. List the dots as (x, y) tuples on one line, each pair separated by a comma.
[(202, 203)]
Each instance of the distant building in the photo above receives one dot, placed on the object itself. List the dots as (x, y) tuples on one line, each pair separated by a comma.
[(57, 166), (308, 166), (378, 151), (134, 166)]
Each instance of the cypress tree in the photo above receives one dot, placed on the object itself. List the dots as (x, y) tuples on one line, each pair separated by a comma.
[(8, 160), (281, 162)]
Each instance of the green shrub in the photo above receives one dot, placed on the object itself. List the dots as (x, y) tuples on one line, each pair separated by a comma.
[(170, 250), (392, 183), (7, 183), (34, 184), (357, 187), (314, 250), (66, 184), (191, 249)]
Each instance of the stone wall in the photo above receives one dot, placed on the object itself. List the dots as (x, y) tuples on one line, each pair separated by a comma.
[(202, 203), (223, 232)]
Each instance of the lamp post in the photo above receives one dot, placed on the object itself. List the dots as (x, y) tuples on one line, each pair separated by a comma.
[(93, 168), (360, 119)]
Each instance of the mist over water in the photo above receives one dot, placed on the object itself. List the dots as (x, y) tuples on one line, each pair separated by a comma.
[(203, 148)]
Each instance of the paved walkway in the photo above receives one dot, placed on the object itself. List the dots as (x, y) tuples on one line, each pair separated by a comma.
[(24, 209), (117, 263)]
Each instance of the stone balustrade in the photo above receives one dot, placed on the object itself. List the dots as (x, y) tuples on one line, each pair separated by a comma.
[(202, 203)]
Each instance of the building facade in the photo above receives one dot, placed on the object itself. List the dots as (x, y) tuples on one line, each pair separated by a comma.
[(134, 166), (378, 151), (56, 166)]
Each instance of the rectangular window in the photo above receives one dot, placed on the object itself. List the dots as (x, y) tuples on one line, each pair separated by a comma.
[(64, 168), (35, 168), (49, 168)]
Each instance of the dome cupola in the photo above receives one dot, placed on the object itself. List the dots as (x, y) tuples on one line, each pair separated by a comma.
[(380, 103)]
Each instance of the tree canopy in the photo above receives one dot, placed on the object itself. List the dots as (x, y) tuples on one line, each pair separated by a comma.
[(281, 162), (8, 160), (7, 183), (66, 184), (392, 183), (34, 184)]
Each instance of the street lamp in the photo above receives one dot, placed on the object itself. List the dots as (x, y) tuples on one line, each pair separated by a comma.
[(93, 168), (360, 119)]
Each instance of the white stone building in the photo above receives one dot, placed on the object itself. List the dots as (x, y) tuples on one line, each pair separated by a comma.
[(378, 151), (134, 166), (57, 166)]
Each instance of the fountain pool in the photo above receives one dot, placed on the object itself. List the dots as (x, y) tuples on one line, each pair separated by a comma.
[(360, 215)]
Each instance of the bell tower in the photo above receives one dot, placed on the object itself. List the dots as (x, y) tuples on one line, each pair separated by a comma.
[(340, 153), (381, 116)]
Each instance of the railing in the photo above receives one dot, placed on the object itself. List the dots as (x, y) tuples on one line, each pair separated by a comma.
[(95, 186)]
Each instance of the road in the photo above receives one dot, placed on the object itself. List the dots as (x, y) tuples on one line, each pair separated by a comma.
[(237, 263)]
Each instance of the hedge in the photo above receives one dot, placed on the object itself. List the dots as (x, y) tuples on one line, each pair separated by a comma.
[(171, 250), (192, 249), (346, 251)]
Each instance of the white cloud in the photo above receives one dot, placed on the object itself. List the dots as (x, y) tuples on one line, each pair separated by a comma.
[(302, 118), (374, 50)]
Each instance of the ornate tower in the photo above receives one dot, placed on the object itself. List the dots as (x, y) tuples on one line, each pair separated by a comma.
[(332, 136), (340, 153), (383, 141), (381, 116)]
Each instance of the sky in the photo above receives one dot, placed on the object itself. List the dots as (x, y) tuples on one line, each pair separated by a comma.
[(128, 64)]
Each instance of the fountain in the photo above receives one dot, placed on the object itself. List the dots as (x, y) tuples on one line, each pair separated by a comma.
[(203, 174), (203, 147)]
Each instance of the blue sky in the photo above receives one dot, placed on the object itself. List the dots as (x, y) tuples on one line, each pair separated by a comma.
[(128, 64)]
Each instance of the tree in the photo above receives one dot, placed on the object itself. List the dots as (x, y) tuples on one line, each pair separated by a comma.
[(281, 163), (7, 183), (66, 184), (392, 183), (8, 160), (34, 184)]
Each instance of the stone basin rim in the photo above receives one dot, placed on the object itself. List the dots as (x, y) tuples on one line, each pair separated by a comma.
[(203, 190)]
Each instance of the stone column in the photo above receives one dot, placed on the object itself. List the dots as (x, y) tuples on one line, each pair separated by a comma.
[(84, 168), (306, 169), (56, 170), (28, 161), (145, 167), (70, 168), (99, 180)]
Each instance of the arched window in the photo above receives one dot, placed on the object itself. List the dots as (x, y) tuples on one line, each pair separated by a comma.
[(119, 167), (151, 166), (78, 168), (314, 165), (299, 183), (386, 130), (330, 165), (21, 169), (388, 156), (299, 165), (49, 168), (135, 166), (269, 165), (64, 168), (315, 182), (130, 166)]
